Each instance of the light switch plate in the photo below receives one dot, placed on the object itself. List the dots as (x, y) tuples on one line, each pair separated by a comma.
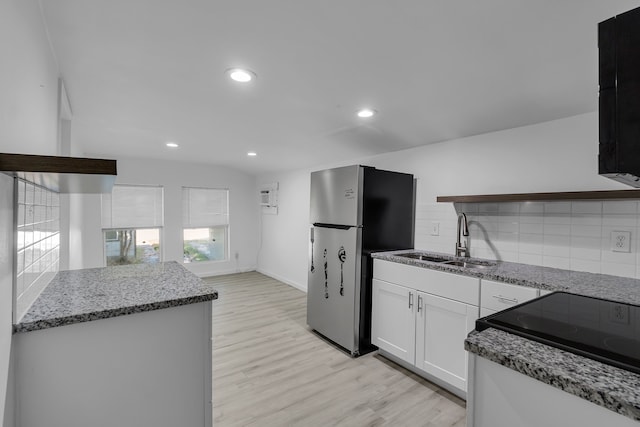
[(620, 241), (435, 228)]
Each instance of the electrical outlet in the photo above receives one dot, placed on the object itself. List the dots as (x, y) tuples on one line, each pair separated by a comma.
[(435, 228), (619, 313), (620, 241)]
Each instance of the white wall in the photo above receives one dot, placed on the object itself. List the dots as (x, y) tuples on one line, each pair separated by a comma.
[(243, 208), (560, 155), (28, 81), (28, 124), (282, 252)]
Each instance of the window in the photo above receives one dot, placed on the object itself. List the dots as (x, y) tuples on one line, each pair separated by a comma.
[(205, 216), (131, 224)]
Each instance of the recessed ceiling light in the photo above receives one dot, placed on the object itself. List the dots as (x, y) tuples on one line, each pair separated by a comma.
[(366, 113), (172, 145), (252, 154), (241, 75)]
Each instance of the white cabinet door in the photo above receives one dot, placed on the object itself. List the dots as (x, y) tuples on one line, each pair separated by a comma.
[(393, 320), (442, 326)]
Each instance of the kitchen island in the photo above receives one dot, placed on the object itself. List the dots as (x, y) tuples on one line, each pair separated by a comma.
[(126, 346), (516, 381)]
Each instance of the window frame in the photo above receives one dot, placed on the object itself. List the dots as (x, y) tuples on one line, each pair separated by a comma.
[(157, 226), (226, 226)]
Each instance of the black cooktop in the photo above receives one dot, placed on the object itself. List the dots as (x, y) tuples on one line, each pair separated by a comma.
[(600, 329)]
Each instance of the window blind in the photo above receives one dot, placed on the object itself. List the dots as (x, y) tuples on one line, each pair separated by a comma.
[(132, 206), (204, 207)]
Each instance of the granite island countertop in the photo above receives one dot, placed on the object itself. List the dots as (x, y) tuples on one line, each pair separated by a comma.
[(605, 385), (76, 296)]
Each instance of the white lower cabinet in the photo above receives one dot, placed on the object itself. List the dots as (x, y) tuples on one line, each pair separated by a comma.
[(393, 325), (423, 330), (442, 326)]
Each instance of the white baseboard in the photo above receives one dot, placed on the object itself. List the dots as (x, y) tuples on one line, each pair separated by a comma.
[(283, 280), (202, 274)]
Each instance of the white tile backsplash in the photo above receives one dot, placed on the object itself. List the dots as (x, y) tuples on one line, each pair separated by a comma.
[(571, 235), (38, 242)]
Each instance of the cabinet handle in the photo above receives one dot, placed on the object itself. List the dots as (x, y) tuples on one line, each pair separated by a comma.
[(419, 302), (505, 299), (410, 299)]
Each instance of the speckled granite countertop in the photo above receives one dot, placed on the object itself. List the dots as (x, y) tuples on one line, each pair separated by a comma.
[(605, 385), (552, 279), (613, 388), (76, 296)]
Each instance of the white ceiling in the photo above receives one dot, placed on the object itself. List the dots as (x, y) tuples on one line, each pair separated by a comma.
[(140, 73)]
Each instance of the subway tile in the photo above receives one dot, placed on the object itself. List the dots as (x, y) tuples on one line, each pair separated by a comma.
[(528, 228), (557, 219), (506, 245), (585, 265), (556, 262), (620, 207), (531, 219), (531, 208), (531, 238), (586, 253), (28, 194), (20, 284), (532, 259), (586, 231), (488, 208), (509, 208), (487, 226), (482, 253), (21, 191), (508, 226), (557, 229), (622, 270), (467, 208), (590, 208), (592, 220), (620, 220), (509, 256), (557, 246), (555, 208)]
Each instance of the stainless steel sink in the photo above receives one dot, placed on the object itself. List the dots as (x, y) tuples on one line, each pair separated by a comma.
[(468, 264), (448, 261), (422, 257)]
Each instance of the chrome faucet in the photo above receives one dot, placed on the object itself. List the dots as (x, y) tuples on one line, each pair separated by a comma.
[(462, 249)]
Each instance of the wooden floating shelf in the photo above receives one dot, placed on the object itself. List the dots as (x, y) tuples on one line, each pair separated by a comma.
[(62, 174), (526, 197)]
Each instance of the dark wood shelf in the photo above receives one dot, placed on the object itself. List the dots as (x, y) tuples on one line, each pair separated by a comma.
[(526, 197), (62, 174)]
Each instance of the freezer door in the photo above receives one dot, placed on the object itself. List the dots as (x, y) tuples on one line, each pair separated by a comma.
[(333, 294), (336, 196)]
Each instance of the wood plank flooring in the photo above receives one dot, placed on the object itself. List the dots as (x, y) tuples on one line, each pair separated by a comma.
[(269, 369)]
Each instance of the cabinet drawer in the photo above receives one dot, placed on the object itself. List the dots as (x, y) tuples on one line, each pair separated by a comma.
[(448, 285), (498, 296)]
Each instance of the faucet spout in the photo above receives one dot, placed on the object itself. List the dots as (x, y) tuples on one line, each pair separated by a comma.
[(462, 249)]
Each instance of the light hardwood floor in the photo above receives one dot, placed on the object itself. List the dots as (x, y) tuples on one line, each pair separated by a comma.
[(269, 369)]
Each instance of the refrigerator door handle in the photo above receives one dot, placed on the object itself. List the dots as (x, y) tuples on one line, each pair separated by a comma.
[(313, 268), (336, 226)]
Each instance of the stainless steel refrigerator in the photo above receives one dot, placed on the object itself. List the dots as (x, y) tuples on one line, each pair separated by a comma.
[(355, 211)]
